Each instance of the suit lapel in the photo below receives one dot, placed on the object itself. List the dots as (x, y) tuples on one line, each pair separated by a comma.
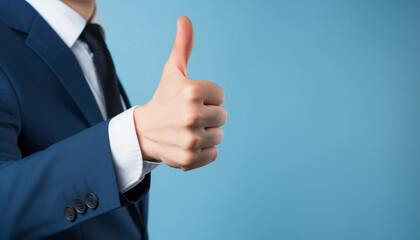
[(55, 53)]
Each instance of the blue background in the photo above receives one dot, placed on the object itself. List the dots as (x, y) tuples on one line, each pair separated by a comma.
[(323, 133)]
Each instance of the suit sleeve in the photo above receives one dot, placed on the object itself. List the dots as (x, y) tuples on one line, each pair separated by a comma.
[(35, 190)]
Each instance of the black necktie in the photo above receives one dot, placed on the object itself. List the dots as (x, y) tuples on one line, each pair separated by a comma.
[(105, 68)]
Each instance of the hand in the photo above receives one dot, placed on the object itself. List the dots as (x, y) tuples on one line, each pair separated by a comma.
[(181, 124)]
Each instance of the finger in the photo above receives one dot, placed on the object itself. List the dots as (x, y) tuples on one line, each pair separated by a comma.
[(183, 45), (206, 156), (210, 137), (212, 94), (214, 116)]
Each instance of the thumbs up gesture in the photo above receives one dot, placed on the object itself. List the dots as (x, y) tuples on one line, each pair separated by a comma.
[(181, 124)]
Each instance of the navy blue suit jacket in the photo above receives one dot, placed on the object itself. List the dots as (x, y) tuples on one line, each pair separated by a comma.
[(54, 145)]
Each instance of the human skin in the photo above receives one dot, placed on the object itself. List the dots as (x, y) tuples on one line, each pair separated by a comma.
[(180, 125), (85, 8)]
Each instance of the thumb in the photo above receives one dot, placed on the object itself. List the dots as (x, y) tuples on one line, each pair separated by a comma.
[(183, 45)]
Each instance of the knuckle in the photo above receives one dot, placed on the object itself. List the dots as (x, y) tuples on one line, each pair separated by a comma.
[(224, 115), (192, 118), (220, 136), (222, 95), (187, 159), (192, 92), (191, 141), (216, 153)]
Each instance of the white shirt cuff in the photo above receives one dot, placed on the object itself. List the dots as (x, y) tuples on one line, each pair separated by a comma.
[(129, 165)]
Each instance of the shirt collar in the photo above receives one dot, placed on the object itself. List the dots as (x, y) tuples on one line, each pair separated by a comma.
[(65, 21)]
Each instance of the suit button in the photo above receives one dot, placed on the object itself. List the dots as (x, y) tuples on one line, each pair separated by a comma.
[(69, 213), (91, 200), (80, 206)]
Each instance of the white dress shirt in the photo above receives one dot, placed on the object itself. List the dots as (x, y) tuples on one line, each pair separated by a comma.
[(130, 168)]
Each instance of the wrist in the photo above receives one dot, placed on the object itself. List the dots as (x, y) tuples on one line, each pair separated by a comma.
[(141, 122)]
